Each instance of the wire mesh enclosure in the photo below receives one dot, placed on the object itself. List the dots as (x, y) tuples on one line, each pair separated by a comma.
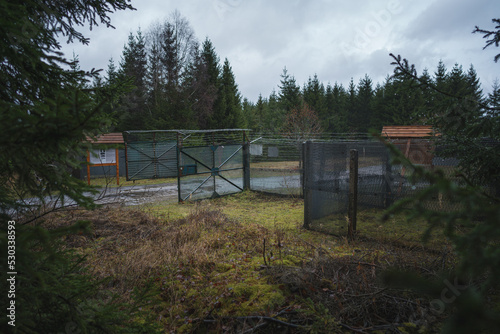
[(326, 180)]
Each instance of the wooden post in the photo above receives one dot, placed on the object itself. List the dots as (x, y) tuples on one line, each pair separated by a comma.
[(403, 171), (353, 193), (387, 181), (126, 162), (88, 167), (117, 157), (307, 186)]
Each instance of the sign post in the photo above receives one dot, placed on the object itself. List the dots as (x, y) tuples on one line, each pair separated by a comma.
[(103, 157)]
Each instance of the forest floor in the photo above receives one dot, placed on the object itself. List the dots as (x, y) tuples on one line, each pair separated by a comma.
[(245, 264)]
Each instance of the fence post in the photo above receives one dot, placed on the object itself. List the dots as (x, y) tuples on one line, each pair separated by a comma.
[(306, 147), (353, 193), (387, 181), (179, 170), (246, 165)]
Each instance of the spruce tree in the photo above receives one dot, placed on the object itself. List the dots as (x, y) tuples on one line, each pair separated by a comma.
[(45, 120), (289, 95), (203, 84), (249, 116), (228, 113), (351, 105), (133, 67), (335, 101), (363, 111), (314, 95), (171, 48), (275, 114), (494, 100)]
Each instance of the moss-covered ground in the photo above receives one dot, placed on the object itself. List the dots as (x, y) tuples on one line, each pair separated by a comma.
[(244, 263)]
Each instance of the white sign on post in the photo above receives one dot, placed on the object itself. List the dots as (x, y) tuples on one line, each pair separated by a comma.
[(103, 156)]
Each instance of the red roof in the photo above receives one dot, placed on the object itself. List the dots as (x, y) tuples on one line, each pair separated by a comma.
[(108, 138), (408, 131)]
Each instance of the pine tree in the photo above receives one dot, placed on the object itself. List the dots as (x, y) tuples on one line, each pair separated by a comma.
[(249, 114), (335, 104), (44, 124), (363, 112), (133, 68), (274, 113), (474, 91), (351, 107), (172, 49), (314, 96), (494, 100), (203, 83), (154, 79), (380, 111), (424, 112), (228, 113), (289, 95), (260, 114)]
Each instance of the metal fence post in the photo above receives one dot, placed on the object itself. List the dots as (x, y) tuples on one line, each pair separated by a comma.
[(246, 165), (353, 193), (179, 168), (301, 168), (307, 147)]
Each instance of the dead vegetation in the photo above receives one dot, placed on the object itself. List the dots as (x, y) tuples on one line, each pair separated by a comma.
[(211, 273)]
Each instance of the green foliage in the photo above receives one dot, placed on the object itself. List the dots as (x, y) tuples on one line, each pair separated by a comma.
[(227, 111), (492, 34), (363, 109), (290, 95), (131, 108), (55, 293), (465, 123), (47, 113), (476, 212)]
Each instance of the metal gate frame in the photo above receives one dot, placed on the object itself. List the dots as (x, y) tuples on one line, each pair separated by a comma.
[(155, 158), (213, 169)]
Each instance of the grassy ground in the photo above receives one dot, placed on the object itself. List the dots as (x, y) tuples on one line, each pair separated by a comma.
[(244, 263)]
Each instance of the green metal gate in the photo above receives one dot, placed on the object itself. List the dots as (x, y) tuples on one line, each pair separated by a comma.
[(212, 164), (151, 155), (207, 163)]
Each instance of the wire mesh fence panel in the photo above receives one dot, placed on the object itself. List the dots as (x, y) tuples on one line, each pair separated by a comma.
[(276, 164), (380, 183), (327, 182), (151, 155), (210, 163)]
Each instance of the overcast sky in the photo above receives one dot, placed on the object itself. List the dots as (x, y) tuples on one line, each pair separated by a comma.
[(335, 39)]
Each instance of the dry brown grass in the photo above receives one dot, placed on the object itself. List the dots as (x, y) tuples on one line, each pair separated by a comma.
[(129, 246), (126, 246), (214, 273)]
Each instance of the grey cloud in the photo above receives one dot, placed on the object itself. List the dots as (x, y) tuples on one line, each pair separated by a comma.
[(335, 39)]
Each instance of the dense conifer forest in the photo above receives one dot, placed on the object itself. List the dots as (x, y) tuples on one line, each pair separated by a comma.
[(167, 79)]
